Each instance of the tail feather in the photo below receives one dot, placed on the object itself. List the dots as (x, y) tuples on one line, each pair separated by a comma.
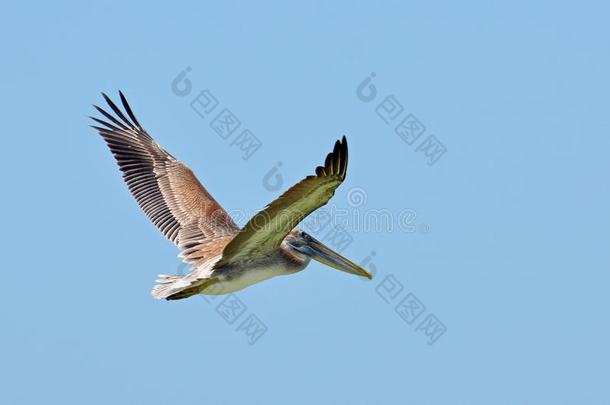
[(168, 285), (178, 287)]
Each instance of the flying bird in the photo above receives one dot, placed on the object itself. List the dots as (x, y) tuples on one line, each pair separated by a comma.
[(223, 257)]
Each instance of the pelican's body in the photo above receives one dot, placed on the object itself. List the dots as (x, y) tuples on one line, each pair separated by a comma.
[(241, 275), (236, 276), (224, 258)]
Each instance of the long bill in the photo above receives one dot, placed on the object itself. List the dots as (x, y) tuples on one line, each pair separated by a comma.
[(323, 254)]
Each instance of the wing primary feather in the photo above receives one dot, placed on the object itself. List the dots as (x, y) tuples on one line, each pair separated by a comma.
[(99, 121), (264, 233), (128, 109), (167, 190), (328, 164), (117, 110), (99, 129), (110, 117), (337, 158), (344, 156)]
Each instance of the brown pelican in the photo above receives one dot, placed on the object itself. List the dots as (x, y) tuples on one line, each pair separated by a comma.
[(223, 258)]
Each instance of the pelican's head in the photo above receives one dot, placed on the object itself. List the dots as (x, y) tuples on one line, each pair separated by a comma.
[(308, 246)]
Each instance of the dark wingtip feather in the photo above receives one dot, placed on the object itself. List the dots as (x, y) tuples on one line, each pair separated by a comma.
[(336, 161), (128, 109), (117, 110), (337, 157), (98, 129), (337, 146), (108, 100), (328, 164), (110, 117), (344, 155), (107, 124)]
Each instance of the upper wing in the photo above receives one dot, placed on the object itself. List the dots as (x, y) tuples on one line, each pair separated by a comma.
[(264, 233), (167, 190)]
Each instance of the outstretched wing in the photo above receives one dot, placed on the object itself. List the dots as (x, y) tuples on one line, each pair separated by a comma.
[(167, 190), (264, 233)]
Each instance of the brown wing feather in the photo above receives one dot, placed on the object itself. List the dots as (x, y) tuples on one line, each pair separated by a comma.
[(264, 233), (167, 190)]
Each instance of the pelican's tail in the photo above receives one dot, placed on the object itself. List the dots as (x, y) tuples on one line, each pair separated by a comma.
[(179, 287), (171, 287)]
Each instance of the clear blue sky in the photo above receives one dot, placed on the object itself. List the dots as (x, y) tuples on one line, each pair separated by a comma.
[(507, 239)]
